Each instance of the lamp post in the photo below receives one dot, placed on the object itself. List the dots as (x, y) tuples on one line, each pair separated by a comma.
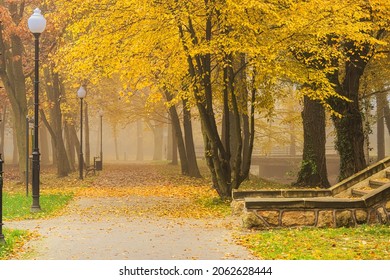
[(101, 138), (81, 93), (36, 24)]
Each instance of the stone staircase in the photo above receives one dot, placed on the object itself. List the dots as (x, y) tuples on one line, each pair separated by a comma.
[(359, 199), (372, 185)]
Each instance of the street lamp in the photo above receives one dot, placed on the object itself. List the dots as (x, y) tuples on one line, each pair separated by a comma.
[(36, 24), (81, 93), (101, 139)]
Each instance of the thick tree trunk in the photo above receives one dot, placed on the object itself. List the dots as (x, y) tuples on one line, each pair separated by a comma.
[(349, 127), (193, 169), (313, 169), (54, 124)]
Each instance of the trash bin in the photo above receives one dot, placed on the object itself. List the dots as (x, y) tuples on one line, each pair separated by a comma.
[(98, 165)]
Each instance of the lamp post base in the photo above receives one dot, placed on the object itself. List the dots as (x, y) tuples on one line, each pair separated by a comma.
[(2, 239), (35, 208)]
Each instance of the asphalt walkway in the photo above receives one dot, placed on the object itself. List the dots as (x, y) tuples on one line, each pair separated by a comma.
[(104, 228)]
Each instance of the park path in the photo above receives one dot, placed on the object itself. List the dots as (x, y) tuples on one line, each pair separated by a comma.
[(105, 228)]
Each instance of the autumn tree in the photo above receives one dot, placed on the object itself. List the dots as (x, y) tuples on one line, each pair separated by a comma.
[(13, 32), (351, 35)]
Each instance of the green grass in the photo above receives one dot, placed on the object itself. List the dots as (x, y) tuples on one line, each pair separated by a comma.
[(15, 239), (216, 205), (16, 206), (364, 242)]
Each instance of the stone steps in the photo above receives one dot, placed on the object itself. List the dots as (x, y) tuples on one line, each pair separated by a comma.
[(360, 192), (372, 185), (361, 198), (378, 182)]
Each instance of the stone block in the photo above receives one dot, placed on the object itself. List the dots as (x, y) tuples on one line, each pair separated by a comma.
[(344, 218), (273, 203), (372, 217), (361, 216), (382, 215), (251, 220), (298, 218), (271, 217), (388, 205), (237, 207), (325, 218)]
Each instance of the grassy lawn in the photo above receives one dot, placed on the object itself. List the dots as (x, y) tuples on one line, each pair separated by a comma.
[(361, 243), (16, 206), (15, 239)]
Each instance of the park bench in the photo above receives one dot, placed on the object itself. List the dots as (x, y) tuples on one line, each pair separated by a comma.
[(97, 166)]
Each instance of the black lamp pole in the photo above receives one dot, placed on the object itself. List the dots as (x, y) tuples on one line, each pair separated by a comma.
[(81, 93), (81, 164), (35, 154), (36, 24), (101, 138)]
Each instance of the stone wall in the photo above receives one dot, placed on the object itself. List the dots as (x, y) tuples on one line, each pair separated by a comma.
[(316, 217)]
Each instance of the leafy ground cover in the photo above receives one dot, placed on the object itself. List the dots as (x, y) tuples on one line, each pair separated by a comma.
[(15, 240), (361, 243), (177, 196), (16, 206)]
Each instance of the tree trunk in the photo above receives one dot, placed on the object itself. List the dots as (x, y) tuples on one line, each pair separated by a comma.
[(54, 91), (178, 135), (349, 127), (12, 75), (226, 169), (193, 169), (313, 169)]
